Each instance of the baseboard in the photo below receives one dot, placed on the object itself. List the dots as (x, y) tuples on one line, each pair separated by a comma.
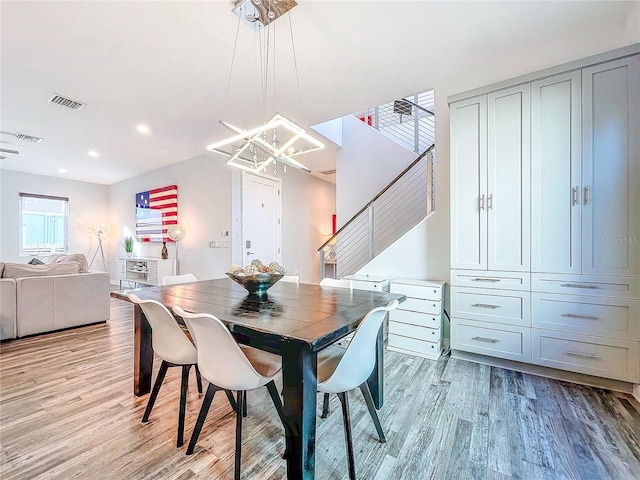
[(589, 380)]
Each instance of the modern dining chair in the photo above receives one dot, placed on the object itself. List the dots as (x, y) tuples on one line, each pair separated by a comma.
[(335, 282), (343, 369), (175, 349), (227, 365), (176, 279), (290, 278)]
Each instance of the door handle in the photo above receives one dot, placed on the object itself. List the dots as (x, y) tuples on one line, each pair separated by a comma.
[(250, 253), (574, 196), (490, 202), (587, 194)]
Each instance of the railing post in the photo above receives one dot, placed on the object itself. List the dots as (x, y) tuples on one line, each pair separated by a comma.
[(416, 127), (375, 118), (371, 232), (322, 272)]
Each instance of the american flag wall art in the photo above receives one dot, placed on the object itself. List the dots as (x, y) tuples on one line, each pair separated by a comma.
[(156, 210)]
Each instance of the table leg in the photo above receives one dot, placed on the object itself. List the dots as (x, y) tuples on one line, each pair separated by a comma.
[(142, 353), (299, 374), (376, 380)]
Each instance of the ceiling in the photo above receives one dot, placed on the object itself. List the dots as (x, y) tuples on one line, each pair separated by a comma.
[(168, 65)]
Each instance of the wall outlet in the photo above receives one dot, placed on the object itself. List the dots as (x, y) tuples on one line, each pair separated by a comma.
[(225, 233)]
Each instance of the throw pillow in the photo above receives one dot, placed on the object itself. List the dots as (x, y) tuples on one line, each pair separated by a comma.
[(36, 261), (20, 270)]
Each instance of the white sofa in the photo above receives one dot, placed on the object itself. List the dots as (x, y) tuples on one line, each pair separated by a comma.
[(42, 298)]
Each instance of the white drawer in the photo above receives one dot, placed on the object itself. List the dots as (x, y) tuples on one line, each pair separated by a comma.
[(413, 346), (422, 306), (491, 279), (416, 318), (592, 285), (605, 316), (501, 306), (609, 358), (414, 331), (510, 342), (418, 289)]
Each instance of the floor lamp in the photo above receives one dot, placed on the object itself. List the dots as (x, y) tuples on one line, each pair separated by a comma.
[(176, 233), (99, 231)]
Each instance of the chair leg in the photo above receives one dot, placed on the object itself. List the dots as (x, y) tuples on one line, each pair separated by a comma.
[(184, 385), (198, 379), (241, 401), (325, 406), (344, 399), (164, 366), (244, 404), (204, 409), (232, 400), (366, 393), (277, 402)]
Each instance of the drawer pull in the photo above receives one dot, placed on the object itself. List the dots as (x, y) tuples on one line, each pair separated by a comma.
[(485, 339), (485, 279), (577, 315), (485, 305), (583, 355), (578, 285)]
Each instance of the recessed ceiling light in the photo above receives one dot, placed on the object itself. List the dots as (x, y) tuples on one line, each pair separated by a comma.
[(92, 153), (142, 128), (62, 170)]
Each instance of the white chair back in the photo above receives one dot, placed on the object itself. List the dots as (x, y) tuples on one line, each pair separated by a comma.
[(291, 278), (220, 359), (335, 282), (168, 340), (359, 359), (176, 279)]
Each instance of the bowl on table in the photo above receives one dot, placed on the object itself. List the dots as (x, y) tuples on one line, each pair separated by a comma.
[(258, 283)]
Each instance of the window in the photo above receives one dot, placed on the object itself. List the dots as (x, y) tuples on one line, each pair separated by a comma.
[(45, 224)]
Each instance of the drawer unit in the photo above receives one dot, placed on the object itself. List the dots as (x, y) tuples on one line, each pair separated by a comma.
[(147, 271), (591, 285), (368, 282), (500, 306), (603, 316), (415, 327), (602, 357), (483, 279), (503, 341)]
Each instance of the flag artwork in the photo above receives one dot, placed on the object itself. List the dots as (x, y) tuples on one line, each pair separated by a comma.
[(156, 210)]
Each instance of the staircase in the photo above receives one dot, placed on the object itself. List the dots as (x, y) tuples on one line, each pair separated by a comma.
[(399, 207)]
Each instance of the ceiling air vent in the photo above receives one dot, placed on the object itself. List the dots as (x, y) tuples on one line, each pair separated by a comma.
[(66, 102), (28, 138)]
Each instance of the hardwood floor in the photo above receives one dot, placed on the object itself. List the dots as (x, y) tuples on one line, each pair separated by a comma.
[(67, 411)]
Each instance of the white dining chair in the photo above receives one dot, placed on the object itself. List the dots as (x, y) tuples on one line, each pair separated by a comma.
[(335, 282), (227, 365), (341, 370), (175, 349), (177, 279), (290, 278)]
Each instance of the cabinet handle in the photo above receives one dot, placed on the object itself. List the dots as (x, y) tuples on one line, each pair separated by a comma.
[(490, 202), (485, 339), (485, 279), (583, 355), (481, 202), (574, 196), (485, 305), (578, 285), (587, 194), (577, 315)]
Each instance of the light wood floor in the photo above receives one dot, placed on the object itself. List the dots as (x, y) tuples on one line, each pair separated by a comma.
[(67, 411)]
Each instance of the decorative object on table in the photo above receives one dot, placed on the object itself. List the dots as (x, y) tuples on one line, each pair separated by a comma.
[(156, 212), (100, 231), (165, 253), (176, 233), (277, 140), (128, 245), (257, 278)]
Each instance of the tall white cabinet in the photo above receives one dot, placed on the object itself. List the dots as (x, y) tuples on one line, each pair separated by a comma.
[(545, 212)]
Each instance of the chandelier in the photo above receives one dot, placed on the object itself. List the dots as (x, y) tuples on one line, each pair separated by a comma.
[(279, 139)]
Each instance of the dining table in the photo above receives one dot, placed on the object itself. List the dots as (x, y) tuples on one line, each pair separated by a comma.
[(293, 320)]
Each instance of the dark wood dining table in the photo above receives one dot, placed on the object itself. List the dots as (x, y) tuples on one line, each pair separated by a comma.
[(295, 321)]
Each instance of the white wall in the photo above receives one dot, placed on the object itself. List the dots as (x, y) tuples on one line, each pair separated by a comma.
[(209, 202), (88, 205)]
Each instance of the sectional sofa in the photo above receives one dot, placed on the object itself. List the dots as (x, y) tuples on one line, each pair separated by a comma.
[(60, 293)]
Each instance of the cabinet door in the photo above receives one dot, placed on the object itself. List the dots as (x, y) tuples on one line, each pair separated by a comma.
[(468, 183), (508, 168), (555, 174), (611, 168)]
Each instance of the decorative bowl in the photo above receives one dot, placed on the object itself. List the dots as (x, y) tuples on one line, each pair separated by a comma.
[(258, 283)]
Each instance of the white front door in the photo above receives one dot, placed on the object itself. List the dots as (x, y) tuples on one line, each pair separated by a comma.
[(260, 218)]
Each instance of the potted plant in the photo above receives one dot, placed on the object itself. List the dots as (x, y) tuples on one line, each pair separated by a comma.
[(128, 245)]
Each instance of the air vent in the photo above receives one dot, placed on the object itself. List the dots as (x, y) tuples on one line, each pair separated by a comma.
[(328, 172), (66, 102), (28, 138)]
